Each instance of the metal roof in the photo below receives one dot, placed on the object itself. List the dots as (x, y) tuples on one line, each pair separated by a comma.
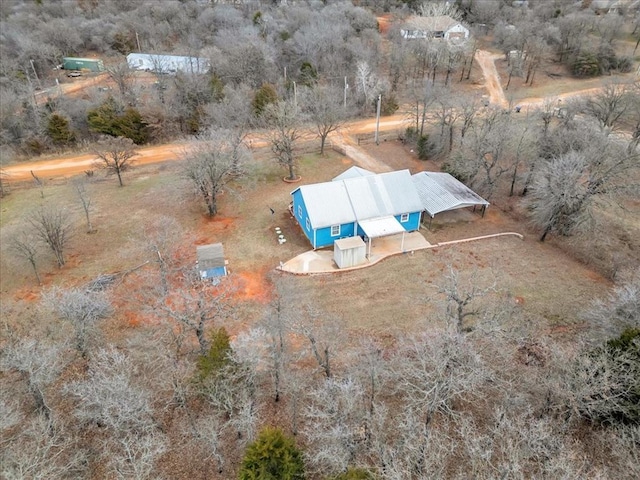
[(440, 192), (210, 256), (438, 23), (327, 204), (168, 63), (353, 172), (381, 227), (360, 198), (391, 193)]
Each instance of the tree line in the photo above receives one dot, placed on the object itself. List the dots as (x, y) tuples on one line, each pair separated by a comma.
[(477, 392)]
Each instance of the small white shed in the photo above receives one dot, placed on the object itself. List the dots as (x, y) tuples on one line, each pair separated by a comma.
[(349, 252)]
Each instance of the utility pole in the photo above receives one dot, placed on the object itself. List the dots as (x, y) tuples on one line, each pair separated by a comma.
[(378, 119), (346, 86), (295, 95), (285, 75), (138, 42), (36, 74)]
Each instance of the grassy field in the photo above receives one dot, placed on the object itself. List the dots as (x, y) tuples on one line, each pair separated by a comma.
[(400, 293)]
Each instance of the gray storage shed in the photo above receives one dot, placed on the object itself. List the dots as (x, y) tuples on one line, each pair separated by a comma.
[(349, 252)]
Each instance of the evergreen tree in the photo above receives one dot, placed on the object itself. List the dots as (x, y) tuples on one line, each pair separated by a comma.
[(218, 355), (272, 456), (265, 95), (59, 131), (110, 119)]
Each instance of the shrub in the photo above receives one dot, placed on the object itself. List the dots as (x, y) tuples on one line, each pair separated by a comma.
[(218, 355), (624, 64), (355, 474), (586, 65), (425, 148), (606, 381), (272, 456), (265, 95), (389, 104), (110, 119)]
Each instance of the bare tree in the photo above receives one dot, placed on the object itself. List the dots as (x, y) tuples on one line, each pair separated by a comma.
[(208, 432), (122, 76), (368, 84), (24, 245), (135, 455), (323, 334), (276, 326), (42, 450), (284, 119), (460, 299), (110, 396), (232, 392), (633, 115), (218, 158), (161, 237), (38, 182), (115, 155), (488, 142), (84, 197), (39, 364), (608, 106), (82, 309), (618, 310), (599, 384), (565, 189), (435, 9), (334, 424), (193, 305), (53, 227), (325, 110)]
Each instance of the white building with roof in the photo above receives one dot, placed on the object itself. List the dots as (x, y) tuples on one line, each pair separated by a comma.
[(442, 26), (167, 64)]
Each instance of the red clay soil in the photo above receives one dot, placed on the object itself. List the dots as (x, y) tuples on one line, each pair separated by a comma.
[(384, 22), (252, 285)]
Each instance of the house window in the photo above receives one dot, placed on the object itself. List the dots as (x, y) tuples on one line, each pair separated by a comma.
[(335, 230), (308, 225), (299, 211), (404, 218)]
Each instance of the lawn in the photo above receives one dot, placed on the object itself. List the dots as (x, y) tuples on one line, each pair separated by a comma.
[(400, 293)]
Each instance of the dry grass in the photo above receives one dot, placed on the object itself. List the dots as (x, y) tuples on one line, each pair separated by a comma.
[(399, 294)]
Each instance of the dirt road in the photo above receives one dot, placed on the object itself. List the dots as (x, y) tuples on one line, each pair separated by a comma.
[(76, 164), (487, 62), (73, 165)]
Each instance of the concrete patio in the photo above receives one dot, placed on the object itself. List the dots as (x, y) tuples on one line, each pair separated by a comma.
[(321, 261)]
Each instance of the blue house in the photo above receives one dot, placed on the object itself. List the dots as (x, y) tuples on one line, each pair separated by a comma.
[(357, 202)]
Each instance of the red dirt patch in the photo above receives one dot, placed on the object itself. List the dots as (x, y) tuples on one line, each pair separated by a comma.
[(27, 294), (384, 22), (252, 286), (211, 226)]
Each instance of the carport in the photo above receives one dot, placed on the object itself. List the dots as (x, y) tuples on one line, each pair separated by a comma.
[(381, 227), (441, 192)]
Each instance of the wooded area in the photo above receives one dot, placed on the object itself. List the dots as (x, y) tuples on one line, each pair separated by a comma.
[(118, 361)]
